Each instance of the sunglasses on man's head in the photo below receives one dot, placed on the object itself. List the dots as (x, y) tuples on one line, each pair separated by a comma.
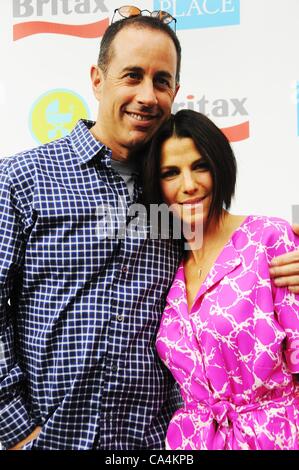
[(129, 10)]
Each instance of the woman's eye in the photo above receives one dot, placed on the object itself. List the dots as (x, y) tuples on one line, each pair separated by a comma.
[(201, 166), (168, 174)]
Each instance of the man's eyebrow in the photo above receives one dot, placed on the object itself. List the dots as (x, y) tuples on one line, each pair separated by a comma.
[(165, 74), (133, 68)]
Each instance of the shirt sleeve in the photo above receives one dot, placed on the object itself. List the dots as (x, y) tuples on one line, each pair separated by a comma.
[(15, 422), (286, 304)]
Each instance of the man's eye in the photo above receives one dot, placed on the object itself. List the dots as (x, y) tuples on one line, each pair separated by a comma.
[(133, 75), (169, 174), (161, 81)]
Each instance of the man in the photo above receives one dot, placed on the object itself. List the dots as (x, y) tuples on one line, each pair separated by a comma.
[(79, 312)]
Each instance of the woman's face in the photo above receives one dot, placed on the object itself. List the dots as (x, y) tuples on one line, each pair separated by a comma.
[(186, 182)]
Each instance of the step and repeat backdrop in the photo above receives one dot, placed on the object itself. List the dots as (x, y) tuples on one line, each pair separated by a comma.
[(240, 67)]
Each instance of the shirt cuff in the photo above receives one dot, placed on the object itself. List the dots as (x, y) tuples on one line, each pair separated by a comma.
[(15, 423)]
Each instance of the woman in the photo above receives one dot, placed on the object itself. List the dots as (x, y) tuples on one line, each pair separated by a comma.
[(228, 335)]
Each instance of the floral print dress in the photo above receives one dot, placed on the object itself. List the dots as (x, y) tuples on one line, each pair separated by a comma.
[(234, 353)]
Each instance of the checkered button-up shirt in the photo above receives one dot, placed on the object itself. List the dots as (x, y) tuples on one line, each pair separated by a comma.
[(79, 310)]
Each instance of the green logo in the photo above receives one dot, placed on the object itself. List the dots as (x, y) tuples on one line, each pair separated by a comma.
[(55, 114)]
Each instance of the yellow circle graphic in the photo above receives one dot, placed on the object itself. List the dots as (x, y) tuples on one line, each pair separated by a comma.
[(55, 114)]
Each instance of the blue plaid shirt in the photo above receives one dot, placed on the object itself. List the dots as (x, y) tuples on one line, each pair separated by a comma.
[(79, 312)]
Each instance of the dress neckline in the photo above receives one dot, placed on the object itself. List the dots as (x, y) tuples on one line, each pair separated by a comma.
[(228, 244)]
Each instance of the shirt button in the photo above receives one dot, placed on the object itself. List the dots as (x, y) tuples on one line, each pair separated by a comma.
[(120, 318), (124, 269), (114, 368)]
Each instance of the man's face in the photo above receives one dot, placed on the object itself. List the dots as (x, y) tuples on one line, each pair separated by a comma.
[(138, 90)]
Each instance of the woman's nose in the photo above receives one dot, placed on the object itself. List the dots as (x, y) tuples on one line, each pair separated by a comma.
[(189, 183)]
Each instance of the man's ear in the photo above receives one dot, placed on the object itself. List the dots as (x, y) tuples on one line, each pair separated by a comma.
[(177, 87), (97, 78)]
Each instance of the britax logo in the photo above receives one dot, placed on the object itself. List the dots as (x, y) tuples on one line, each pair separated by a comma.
[(193, 14), (41, 8), (221, 108)]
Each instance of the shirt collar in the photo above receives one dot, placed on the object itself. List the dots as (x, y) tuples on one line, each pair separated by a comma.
[(85, 144), (227, 261)]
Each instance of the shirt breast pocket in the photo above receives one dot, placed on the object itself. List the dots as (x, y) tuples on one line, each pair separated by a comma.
[(71, 239)]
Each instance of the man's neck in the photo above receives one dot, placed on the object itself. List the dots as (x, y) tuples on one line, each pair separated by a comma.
[(119, 153)]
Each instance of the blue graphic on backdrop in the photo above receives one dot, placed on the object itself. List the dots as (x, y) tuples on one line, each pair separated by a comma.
[(58, 120), (193, 14), (55, 113)]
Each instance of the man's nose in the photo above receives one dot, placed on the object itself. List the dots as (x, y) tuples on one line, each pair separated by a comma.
[(147, 94)]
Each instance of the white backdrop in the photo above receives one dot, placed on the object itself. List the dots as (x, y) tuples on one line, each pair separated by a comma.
[(240, 66)]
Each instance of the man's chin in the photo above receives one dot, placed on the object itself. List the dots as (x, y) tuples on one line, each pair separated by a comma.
[(139, 139)]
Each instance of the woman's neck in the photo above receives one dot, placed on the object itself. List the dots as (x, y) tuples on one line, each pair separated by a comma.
[(215, 236)]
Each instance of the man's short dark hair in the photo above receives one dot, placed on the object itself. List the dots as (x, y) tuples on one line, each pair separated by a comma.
[(149, 22), (213, 147)]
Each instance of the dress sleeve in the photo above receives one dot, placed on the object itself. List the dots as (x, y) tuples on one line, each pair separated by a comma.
[(286, 304)]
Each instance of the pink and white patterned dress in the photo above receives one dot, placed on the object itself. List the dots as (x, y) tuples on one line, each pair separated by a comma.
[(234, 353)]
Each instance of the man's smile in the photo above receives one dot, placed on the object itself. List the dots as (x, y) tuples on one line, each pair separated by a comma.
[(141, 118)]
